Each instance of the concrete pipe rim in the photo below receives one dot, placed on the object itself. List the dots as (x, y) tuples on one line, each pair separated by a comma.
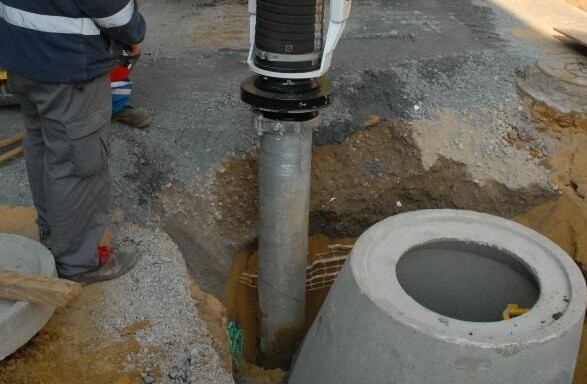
[(562, 289), (27, 317), (44, 267)]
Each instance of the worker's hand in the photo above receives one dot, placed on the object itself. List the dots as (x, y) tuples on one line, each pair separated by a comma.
[(134, 50)]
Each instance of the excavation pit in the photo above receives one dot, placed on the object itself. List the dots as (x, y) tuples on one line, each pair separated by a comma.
[(375, 174)]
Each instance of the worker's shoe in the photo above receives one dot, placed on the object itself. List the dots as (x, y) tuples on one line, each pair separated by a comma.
[(132, 117), (113, 264)]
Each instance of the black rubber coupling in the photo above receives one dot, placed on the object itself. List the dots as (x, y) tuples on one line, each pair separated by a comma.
[(287, 95), (289, 28)]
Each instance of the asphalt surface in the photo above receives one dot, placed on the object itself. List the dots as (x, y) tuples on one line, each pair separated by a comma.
[(394, 55)]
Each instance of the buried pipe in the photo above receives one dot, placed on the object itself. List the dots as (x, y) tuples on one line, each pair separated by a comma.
[(425, 298), (290, 53), (284, 190)]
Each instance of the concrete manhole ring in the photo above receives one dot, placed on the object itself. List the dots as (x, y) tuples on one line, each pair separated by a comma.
[(19, 320), (571, 69), (422, 296)]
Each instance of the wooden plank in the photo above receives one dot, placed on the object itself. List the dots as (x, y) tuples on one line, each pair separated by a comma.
[(37, 289), (12, 140), (574, 34), (8, 155), (579, 4)]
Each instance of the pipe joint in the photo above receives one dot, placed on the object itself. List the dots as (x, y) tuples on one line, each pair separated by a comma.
[(264, 125)]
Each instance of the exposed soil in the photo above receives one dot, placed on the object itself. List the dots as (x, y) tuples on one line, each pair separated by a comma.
[(69, 349), (62, 352), (241, 296), (19, 220), (564, 220), (376, 173), (72, 348)]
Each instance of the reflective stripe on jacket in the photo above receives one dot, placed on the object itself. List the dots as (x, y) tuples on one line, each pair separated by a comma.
[(66, 41)]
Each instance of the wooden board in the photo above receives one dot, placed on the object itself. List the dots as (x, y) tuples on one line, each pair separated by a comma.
[(574, 34), (37, 289), (12, 140), (8, 155), (579, 4)]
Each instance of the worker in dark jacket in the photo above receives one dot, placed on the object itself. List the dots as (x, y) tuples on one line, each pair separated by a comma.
[(58, 54)]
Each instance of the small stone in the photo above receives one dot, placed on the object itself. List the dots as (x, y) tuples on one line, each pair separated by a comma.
[(117, 216)]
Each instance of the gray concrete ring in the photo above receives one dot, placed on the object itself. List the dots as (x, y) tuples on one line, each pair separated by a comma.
[(20, 320), (375, 324)]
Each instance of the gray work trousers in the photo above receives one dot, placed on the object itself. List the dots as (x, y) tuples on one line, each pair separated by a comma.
[(66, 150)]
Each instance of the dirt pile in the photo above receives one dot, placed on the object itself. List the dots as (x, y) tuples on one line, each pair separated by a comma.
[(563, 220), (71, 348), (376, 173)]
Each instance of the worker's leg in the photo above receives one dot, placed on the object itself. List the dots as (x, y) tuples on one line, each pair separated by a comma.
[(122, 111), (75, 123), (121, 91), (34, 152)]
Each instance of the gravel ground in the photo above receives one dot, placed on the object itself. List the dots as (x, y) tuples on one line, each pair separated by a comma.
[(157, 291)]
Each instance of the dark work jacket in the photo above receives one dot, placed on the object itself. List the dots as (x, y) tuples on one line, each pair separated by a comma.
[(66, 41)]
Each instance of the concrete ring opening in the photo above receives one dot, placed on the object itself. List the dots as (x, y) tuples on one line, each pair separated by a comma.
[(466, 281), (422, 296)]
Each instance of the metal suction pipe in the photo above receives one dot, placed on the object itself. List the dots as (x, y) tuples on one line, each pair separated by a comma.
[(286, 113), (289, 55), (284, 200)]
